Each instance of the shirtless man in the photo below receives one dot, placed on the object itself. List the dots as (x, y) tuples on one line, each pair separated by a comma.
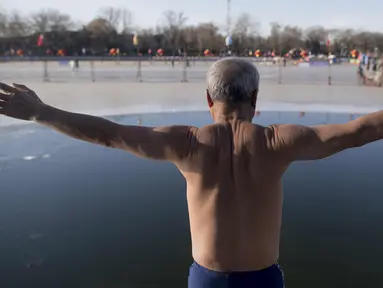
[(233, 168)]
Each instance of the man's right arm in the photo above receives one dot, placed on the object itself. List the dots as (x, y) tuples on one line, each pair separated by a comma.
[(295, 142), (169, 143)]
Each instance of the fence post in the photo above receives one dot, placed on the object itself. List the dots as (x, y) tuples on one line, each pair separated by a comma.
[(329, 72), (92, 74), (139, 72), (46, 76), (184, 72)]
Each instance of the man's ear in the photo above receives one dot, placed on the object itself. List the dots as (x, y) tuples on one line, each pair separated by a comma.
[(208, 98), (254, 98)]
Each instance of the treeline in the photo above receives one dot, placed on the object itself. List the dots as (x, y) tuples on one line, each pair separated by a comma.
[(113, 28)]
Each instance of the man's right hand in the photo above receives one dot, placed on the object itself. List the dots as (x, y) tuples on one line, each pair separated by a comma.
[(19, 102)]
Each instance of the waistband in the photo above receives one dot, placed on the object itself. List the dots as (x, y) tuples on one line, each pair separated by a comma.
[(271, 277), (274, 267)]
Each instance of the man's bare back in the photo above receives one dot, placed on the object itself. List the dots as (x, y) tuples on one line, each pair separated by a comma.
[(233, 168), (234, 197)]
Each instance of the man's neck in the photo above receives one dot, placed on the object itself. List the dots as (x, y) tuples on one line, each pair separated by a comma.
[(223, 113)]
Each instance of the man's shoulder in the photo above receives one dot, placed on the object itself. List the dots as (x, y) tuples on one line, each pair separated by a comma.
[(257, 136), (208, 133), (254, 127)]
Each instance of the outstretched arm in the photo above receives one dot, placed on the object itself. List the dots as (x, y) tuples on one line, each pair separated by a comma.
[(171, 143), (295, 142)]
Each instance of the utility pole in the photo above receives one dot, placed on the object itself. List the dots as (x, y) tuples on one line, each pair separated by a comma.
[(228, 39), (228, 17), (330, 57)]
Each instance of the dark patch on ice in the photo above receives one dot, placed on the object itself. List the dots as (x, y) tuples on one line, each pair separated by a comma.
[(35, 236), (34, 261)]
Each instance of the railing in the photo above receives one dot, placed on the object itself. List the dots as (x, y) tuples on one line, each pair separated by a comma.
[(119, 58), (166, 69)]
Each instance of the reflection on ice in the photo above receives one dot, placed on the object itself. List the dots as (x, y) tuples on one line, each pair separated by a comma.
[(29, 158), (35, 236)]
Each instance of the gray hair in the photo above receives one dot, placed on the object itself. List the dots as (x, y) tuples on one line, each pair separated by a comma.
[(232, 80)]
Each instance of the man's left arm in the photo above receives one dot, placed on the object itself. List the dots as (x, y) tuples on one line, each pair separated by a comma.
[(170, 143)]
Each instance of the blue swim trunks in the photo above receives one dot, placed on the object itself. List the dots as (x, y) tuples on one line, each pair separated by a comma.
[(201, 277)]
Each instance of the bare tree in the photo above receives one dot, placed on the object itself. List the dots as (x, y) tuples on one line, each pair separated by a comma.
[(119, 19), (39, 22), (173, 24), (112, 16), (246, 26), (367, 41), (17, 26), (315, 37), (292, 37), (50, 20), (345, 40), (147, 39), (101, 33), (126, 21), (187, 39), (99, 28), (275, 38), (59, 21), (206, 35), (113, 28), (3, 23), (245, 31)]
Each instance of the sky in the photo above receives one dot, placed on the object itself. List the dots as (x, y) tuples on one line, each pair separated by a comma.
[(147, 13)]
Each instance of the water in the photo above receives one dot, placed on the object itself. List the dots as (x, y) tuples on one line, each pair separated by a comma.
[(77, 215)]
